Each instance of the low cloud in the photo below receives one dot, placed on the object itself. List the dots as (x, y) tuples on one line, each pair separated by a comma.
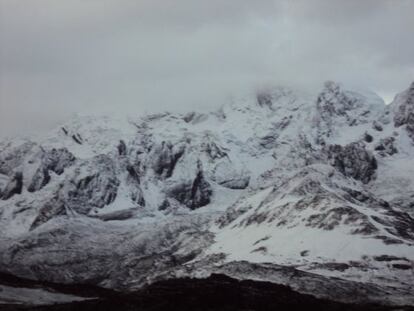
[(128, 56)]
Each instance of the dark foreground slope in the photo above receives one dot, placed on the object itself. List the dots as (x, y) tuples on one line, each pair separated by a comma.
[(218, 292)]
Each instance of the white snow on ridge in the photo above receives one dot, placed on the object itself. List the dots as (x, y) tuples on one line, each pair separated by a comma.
[(279, 178)]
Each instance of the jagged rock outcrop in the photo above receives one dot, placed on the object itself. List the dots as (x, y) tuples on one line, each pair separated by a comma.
[(194, 193), (14, 186), (35, 164), (165, 158), (212, 149), (404, 110), (386, 146), (271, 98), (4, 180), (54, 207), (368, 138), (264, 99), (194, 117), (134, 183), (338, 108), (354, 161), (93, 185), (54, 160), (13, 157), (377, 126), (333, 101), (57, 160), (122, 149), (40, 179)]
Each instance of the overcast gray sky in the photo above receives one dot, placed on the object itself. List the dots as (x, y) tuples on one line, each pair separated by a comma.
[(60, 57)]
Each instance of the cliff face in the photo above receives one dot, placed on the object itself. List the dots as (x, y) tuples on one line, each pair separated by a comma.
[(403, 106), (324, 183)]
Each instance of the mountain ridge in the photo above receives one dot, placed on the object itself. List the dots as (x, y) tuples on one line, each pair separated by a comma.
[(325, 185)]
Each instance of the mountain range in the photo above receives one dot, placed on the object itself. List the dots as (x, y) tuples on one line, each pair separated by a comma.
[(310, 191)]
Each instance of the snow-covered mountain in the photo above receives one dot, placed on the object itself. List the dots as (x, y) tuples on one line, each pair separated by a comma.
[(322, 184)]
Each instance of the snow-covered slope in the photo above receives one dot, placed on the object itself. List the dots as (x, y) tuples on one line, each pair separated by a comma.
[(322, 183)]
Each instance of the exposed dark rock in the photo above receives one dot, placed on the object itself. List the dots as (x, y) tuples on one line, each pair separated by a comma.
[(356, 196), (262, 240), (94, 189), (402, 266), (281, 125), (368, 138), (399, 224), (55, 160), (133, 173), (264, 99), (55, 207), (268, 141), (386, 147), (164, 205), (14, 186), (404, 114), (388, 258), (354, 161), (333, 101), (40, 179), (256, 218), (406, 108), (377, 126), (134, 182), (232, 214), (213, 150), (261, 249), (189, 116), (137, 196), (166, 158), (388, 240), (77, 138), (342, 215), (12, 158), (59, 159), (194, 194), (122, 149)]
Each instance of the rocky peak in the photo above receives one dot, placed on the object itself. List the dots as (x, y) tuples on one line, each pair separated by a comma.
[(404, 110), (333, 100), (275, 98), (404, 107)]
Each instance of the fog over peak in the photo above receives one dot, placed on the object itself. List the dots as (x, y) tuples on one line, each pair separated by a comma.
[(124, 56)]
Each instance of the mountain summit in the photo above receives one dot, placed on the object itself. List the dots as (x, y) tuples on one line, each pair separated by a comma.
[(266, 187)]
